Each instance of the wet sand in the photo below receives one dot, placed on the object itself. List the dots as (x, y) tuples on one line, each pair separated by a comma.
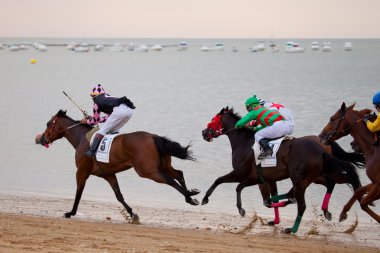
[(34, 224)]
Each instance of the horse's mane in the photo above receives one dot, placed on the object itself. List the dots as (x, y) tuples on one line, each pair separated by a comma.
[(231, 112), (364, 112), (62, 113)]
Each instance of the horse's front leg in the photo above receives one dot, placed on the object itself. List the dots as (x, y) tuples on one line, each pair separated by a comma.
[(81, 182), (239, 188), (112, 180), (356, 196), (229, 178)]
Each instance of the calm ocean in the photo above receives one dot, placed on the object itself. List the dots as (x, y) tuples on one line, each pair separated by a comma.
[(176, 95)]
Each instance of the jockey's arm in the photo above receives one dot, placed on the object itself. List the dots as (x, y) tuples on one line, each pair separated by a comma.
[(247, 118), (374, 126)]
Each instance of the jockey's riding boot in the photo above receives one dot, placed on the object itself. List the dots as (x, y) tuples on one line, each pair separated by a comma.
[(267, 150), (94, 145)]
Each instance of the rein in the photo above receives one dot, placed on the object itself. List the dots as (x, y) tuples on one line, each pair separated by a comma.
[(345, 131), (49, 130)]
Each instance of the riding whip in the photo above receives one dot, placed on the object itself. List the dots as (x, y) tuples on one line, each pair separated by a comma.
[(84, 112)]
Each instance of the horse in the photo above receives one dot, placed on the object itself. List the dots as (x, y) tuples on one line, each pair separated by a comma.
[(303, 160), (149, 154), (347, 121)]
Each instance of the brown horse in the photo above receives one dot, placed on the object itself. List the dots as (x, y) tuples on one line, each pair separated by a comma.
[(149, 154), (349, 121), (303, 160)]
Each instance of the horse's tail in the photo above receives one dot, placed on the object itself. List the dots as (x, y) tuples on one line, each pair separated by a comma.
[(354, 158), (344, 168), (168, 147)]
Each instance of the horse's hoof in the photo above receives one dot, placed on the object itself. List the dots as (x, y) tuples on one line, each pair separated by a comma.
[(194, 202), (242, 212), (287, 231), (135, 219), (271, 223), (67, 215), (204, 201), (194, 192), (327, 215), (267, 203), (342, 217)]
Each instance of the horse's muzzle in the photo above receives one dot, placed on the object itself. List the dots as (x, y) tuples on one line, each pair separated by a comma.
[(40, 139), (206, 135)]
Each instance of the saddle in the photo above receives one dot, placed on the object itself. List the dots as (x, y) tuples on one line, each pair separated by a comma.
[(103, 151), (275, 145)]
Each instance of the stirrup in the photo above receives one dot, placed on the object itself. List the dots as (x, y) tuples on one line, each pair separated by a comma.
[(264, 154), (90, 153)]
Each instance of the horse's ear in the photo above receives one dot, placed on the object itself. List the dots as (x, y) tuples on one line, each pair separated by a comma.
[(221, 111), (227, 108), (351, 107), (343, 107), (61, 113)]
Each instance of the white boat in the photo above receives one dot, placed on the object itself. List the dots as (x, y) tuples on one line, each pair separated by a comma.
[(24, 47), (117, 48), (219, 47), (182, 46), (98, 47), (347, 46), (326, 46), (1, 46), (41, 47), (72, 45), (156, 48), (81, 49), (142, 48), (315, 46), (292, 47), (260, 46), (14, 48), (131, 46), (205, 48), (253, 50)]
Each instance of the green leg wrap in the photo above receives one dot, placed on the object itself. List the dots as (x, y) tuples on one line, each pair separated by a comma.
[(278, 198), (296, 224)]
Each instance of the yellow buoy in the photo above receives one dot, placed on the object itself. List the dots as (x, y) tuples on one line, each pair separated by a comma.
[(32, 61)]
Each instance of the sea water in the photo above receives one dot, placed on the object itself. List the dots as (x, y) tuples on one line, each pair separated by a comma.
[(176, 95)]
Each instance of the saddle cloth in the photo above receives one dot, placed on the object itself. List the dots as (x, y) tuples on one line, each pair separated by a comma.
[(103, 151), (270, 161)]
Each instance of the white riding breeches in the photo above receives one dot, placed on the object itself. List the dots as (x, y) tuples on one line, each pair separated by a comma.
[(277, 130), (118, 118)]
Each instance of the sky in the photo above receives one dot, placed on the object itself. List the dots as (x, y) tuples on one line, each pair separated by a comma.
[(190, 19)]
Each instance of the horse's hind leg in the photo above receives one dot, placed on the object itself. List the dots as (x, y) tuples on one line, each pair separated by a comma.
[(178, 175), (112, 180), (81, 182), (356, 196), (330, 185)]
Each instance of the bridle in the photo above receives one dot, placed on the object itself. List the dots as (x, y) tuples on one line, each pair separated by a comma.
[(219, 130), (345, 131), (49, 130), (47, 134)]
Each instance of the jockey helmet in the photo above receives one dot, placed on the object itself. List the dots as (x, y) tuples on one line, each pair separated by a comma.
[(97, 90), (376, 99), (252, 102)]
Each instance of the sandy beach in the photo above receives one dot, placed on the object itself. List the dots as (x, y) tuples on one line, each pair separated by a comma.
[(34, 224)]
